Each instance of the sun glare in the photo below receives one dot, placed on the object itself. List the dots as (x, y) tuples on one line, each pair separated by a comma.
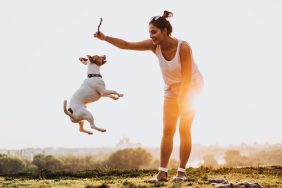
[(197, 101)]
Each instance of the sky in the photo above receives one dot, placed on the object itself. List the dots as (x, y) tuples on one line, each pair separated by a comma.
[(236, 44)]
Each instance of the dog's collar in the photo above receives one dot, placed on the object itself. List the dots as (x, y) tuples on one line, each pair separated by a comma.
[(94, 75)]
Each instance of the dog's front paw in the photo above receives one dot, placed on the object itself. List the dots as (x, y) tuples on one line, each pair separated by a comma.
[(120, 95), (98, 129), (114, 97)]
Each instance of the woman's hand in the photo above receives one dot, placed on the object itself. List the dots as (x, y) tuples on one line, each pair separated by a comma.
[(100, 35)]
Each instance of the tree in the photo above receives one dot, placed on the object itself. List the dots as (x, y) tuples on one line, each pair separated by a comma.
[(129, 159), (210, 161), (47, 162), (11, 165), (39, 161), (232, 158)]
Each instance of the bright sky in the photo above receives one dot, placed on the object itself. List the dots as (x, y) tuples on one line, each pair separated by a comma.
[(237, 45)]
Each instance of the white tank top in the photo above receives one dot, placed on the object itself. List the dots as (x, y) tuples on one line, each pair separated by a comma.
[(171, 70)]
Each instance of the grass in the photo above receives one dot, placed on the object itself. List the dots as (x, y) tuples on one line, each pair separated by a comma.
[(197, 178)]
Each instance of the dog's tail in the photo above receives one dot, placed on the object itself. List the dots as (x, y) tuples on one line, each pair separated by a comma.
[(65, 109)]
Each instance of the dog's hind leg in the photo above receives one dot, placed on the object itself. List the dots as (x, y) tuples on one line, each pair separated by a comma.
[(88, 117), (81, 128)]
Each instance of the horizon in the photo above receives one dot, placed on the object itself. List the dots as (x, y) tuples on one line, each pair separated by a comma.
[(236, 45), (142, 146)]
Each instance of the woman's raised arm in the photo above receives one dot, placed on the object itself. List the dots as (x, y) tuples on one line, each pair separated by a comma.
[(120, 43)]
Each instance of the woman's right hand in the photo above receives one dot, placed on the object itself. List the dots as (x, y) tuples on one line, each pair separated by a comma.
[(100, 35)]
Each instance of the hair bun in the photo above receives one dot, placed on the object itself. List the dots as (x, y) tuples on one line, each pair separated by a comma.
[(167, 14)]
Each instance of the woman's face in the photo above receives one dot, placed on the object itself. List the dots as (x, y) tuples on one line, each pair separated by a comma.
[(156, 34)]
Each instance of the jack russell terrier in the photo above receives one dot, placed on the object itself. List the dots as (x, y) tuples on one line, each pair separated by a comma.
[(91, 90)]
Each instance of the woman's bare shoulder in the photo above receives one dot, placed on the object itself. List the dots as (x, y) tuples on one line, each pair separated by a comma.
[(185, 47)]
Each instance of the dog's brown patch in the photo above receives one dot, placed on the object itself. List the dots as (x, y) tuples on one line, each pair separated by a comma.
[(90, 59)]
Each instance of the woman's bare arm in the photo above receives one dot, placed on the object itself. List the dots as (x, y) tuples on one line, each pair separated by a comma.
[(186, 70), (120, 43)]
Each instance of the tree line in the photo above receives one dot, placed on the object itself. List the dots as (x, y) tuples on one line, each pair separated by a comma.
[(130, 158), (233, 158)]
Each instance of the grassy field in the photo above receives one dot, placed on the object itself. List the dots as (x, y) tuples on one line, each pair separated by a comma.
[(197, 177)]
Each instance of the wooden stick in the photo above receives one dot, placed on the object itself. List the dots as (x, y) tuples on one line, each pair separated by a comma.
[(100, 25)]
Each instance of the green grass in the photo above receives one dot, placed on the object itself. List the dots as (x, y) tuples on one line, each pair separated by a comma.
[(197, 177)]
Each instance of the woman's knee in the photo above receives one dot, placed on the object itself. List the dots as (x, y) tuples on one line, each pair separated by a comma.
[(168, 132), (184, 132), (185, 126)]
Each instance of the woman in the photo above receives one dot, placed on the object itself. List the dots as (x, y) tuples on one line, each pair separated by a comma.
[(182, 80)]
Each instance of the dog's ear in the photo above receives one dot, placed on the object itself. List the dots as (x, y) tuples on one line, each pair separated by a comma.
[(83, 59), (90, 58)]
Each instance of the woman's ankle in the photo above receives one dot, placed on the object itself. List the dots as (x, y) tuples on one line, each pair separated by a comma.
[(181, 170), (162, 169), (163, 173)]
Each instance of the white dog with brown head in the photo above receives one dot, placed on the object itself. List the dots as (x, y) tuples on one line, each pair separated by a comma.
[(91, 90)]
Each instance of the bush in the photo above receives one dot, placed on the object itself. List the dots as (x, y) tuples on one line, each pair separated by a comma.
[(210, 161), (129, 159), (11, 165), (47, 162)]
